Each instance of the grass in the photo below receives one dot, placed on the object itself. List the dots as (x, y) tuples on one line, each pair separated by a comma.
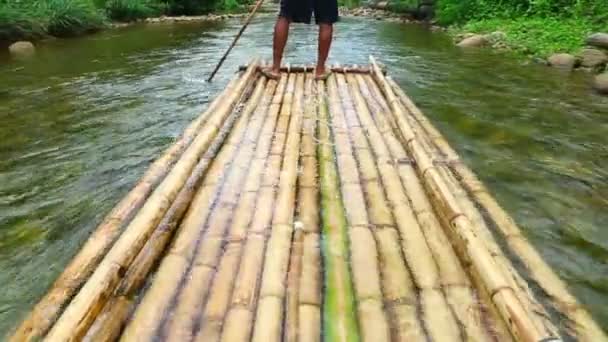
[(35, 19), (535, 36)]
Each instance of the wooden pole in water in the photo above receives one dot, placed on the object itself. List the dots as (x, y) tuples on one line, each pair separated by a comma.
[(580, 321), (48, 309), (503, 296), (77, 317), (236, 38)]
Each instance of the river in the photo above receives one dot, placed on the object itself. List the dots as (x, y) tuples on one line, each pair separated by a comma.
[(81, 122)]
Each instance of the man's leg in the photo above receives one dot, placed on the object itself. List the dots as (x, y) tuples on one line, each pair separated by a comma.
[(281, 33), (325, 37)]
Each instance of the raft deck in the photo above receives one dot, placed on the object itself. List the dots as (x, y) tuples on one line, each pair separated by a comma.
[(299, 210)]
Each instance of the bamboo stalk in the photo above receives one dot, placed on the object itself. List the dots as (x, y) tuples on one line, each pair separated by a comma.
[(306, 183), (238, 323), (537, 313), (83, 309), (173, 268), (190, 302), (503, 296), (309, 68), (48, 309), (116, 310), (580, 320), (338, 303), (364, 250), (212, 319), (440, 323), (454, 281), (269, 316)]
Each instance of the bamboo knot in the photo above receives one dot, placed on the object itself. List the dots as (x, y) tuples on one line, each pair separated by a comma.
[(495, 291)]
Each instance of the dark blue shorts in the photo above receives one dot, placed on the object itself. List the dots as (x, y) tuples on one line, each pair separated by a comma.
[(301, 11)]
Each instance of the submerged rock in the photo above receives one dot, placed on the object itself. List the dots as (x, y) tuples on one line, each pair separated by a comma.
[(593, 58), (562, 60), (600, 83), (476, 40), (22, 49), (598, 40)]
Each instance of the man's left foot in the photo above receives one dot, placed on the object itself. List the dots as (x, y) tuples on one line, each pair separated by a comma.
[(322, 75)]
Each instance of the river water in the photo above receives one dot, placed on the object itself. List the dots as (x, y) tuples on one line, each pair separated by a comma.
[(80, 123)]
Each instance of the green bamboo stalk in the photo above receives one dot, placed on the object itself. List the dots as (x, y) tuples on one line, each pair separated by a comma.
[(339, 311)]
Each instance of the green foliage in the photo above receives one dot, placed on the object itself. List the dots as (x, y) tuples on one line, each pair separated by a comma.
[(535, 35), (129, 10), (70, 17), (460, 11), (536, 27), (34, 19), (349, 3)]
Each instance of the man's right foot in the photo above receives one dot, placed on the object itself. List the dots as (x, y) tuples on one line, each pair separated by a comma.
[(271, 73)]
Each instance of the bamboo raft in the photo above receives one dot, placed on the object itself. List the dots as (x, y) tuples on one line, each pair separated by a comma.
[(298, 210)]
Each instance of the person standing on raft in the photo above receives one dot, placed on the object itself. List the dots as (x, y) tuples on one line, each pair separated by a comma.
[(301, 11)]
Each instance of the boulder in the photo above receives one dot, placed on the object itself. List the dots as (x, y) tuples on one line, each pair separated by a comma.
[(598, 40), (476, 40), (22, 49), (562, 60), (600, 83), (593, 58)]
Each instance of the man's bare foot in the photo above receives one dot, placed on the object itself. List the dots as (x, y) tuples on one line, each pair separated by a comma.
[(271, 73), (321, 74)]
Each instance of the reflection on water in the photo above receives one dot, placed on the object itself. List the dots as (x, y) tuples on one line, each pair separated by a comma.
[(81, 122)]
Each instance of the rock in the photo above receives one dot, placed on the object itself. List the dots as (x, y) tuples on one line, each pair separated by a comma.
[(598, 40), (22, 49), (476, 40), (382, 5), (600, 83), (593, 58), (562, 60)]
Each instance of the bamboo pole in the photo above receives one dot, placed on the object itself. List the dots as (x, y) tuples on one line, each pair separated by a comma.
[(503, 296), (460, 295), (338, 302), (83, 309), (236, 38), (212, 319), (579, 319), (190, 301), (535, 310), (364, 253), (107, 326), (306, 182), (48, 309), (160, 296), (439, 320), (269, 317), (311, 68), (238, 322), (308, 316)]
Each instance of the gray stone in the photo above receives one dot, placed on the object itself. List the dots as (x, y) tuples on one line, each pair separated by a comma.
[(593, 58), (598, 40), (562, 60), (600, 83), (476, 40), (22, 49)]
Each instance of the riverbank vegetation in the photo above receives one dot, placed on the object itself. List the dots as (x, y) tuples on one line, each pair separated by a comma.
[(533, 27), (30, 20)]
